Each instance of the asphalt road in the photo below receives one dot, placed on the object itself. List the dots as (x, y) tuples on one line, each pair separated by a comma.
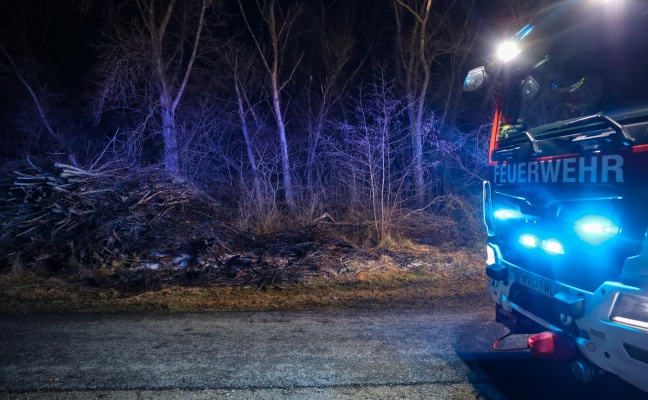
[(440, 352)]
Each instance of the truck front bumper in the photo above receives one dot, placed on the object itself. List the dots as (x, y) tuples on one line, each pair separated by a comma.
[(609, 325)]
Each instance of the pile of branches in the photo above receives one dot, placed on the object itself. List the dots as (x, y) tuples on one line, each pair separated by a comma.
[(140, 229)]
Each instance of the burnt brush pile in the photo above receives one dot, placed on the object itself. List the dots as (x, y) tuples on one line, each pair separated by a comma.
[(140, 229)]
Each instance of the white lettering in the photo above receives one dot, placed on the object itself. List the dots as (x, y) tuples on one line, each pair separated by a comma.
[(550, 170), (533, 172), (511, 172), (582, 169), (521, 172), (568, 170), (609, 164)]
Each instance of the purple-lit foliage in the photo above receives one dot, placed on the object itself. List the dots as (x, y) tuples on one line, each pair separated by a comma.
[(278, 107)]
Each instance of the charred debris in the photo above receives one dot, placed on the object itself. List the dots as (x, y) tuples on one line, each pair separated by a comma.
[(140, 230)]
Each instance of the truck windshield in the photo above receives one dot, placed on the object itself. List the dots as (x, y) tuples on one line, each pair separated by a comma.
[(602, 69)]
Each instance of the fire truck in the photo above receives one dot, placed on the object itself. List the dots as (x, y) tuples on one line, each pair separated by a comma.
[(566, 197)]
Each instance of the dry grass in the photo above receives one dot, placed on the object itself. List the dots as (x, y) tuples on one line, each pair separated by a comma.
[(407, 275)]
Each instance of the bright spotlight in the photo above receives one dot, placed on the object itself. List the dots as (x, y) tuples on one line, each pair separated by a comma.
[(507, 51), (595, 229), (527, 240), (553, 246)]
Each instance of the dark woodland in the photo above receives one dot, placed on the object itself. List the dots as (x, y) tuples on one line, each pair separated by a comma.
[(261, 114)]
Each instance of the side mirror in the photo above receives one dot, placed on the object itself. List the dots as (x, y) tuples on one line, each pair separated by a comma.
[(530, 87), (475, 79)]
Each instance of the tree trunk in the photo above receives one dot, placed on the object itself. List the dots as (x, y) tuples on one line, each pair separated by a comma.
[(415, 61), (272, 59), (285, 161), (248, 146), (418, 141), (170, 94), (170, 138), (316, 132)]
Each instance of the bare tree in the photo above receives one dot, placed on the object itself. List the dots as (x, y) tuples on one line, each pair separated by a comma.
[(150, 57), (240, 68), (277, 24), (372, 153), (460, 40), (419, 43), (329, 78)]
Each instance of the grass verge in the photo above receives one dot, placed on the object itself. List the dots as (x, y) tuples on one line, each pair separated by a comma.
[(428, 276)]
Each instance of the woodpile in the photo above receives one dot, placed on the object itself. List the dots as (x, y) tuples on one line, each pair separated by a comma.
[(141, 229)]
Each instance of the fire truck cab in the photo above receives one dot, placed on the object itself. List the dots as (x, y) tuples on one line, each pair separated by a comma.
[(566, 198)]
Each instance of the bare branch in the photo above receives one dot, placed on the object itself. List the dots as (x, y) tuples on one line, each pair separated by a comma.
[(254, 37), (408, 8), (167, 18), (194, 51), (38, 104)]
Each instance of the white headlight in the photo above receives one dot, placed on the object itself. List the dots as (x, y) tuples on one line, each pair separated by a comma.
[(631, 310), (528, 240), (490, 256), (553, 246)]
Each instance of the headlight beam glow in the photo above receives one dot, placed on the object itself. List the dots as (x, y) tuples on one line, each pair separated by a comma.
[(595, 229), (553, 246), (507, 51), (528, 240)]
